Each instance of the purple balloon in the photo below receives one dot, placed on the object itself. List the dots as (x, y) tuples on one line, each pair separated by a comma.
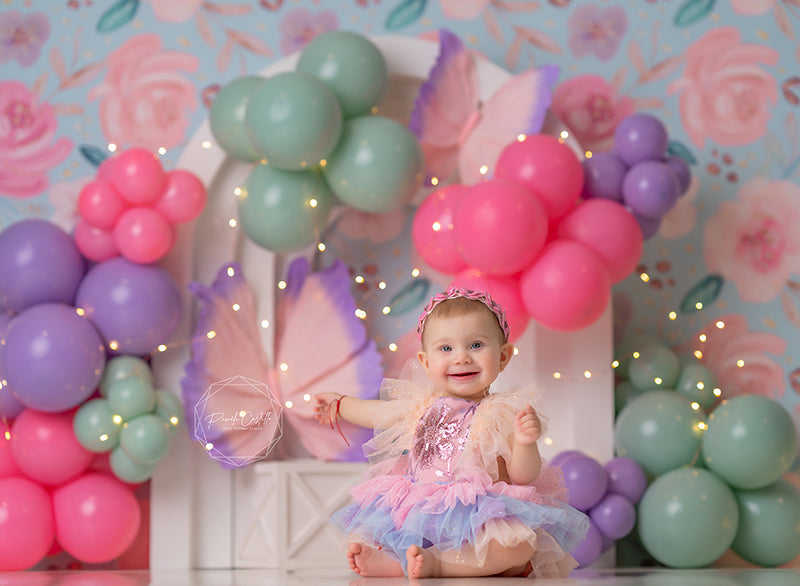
[(10, 407), (627, 478), (651, 189), (39, 263), (562, 457), (640, 137), (52, 358), (682, 172), (136, 306), (588, 550), (648, 226), (614, 516), (586, 481), (603, 175)]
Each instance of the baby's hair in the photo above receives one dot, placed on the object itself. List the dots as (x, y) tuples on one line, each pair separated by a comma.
[(460, 306)]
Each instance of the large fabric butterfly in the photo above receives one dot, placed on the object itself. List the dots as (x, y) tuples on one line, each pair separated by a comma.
[(321, 345), (457, 130)]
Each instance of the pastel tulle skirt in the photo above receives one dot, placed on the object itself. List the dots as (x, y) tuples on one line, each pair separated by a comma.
[(395, 512)]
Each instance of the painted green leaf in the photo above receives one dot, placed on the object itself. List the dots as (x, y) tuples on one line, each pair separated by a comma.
[(93, 154), (117, 15), (704, 293), (692, 11), (405, 13), (679, 149), (411, 296)]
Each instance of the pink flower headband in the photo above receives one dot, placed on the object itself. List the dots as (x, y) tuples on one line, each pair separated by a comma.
[(454, 292)]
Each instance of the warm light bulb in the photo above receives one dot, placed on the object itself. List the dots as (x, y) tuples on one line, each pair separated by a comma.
[(306, 397), (484, 169), (211, 335), (114, 345), (289, 404), (392, 347), (361, 314), (358, 279), (587, 374), (740, 363), (80, 311), (265, 323), (636, 355), (415, 272), (434, 181), (236, 307), (206, 144), (386, 310), (698, 354), (658, 380), (231, 272), (557, 375), (615, 364), (644, 277), (720, 324), (321, 247), (700, 385), (162, 151), (281, 284), (672, 315), (436, 226), (698, 305), (382, 285), (284, 367), (112, 147), (162, 347)]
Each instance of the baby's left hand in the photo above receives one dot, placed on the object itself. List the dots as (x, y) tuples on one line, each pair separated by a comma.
[(527, 427)]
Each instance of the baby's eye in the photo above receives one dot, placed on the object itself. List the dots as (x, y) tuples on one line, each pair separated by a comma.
[(446, 348), (476, 345)]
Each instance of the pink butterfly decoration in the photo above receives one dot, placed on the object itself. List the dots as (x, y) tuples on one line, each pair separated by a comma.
[(321, 346), (459, 132)]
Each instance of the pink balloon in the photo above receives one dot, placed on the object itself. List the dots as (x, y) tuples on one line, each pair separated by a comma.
[(97, 518), (567, 288), (26, 524), (45, 449), (137, 174), (432, 229), (609, 230), (504, 290), (546, 166), (94, 243), (100, 204), (183, 198), (143, 235), (7, 465), (499, 227)]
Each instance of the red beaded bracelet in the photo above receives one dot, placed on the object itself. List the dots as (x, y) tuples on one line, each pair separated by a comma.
[(335, 419)]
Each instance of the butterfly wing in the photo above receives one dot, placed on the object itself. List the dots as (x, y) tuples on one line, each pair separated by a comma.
[(444, 106), (323, 347), (225, 384), (517, 107)]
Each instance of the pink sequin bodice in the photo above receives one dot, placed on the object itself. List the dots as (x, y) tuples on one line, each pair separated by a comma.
[(439, 439)]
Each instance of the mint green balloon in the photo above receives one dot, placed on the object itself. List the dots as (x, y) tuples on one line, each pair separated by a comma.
[(660, 431), (128, 470), (130, 397), (351, 65), (623, 392), (657, 367), (227, 117), (282, 210), (687, 518), (697, 383), (377, 166), (144, 439), (623, 353), (750, 442), (170, 410), (95, 428), (769, 524), (124, 366), (294, 120)]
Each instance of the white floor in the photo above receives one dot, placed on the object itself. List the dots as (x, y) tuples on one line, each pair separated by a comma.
[(626, 577)]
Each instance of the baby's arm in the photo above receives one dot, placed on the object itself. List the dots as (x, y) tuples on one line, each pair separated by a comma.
[(353, 409), (526, 462)]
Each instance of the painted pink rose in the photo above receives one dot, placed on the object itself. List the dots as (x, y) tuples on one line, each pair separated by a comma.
[(175, 10), (463, 9), (754, 241), (725, 95), (63, 196), (754, 7), (28, 147), (144, 100), (22, 36), (759, 374), (591, 108), (301, 25), (681, 219), (596, 31)]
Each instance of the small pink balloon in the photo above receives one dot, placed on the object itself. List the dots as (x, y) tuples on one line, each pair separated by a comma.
[(26, 524), (7, 465), (94, 243), (567, 288), (504, 290), (45, 448), (610, 231), (432, 229), (100, 204), (546, 166), (137, 174), (183, 198), (143, 235), (499, 227), (97, 518)]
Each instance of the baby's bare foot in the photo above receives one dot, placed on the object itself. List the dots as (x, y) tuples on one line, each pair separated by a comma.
[(421, 563), (368, 561)]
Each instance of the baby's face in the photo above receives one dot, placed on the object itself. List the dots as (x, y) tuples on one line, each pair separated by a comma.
[(463, 355)]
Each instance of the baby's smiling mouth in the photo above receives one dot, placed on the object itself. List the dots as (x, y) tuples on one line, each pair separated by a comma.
[(463, 374)]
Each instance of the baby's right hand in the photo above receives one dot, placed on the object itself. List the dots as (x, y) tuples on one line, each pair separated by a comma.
[(323, 405)]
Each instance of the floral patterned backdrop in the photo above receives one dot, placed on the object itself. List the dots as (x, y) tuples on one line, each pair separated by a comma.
[(78, 75)]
